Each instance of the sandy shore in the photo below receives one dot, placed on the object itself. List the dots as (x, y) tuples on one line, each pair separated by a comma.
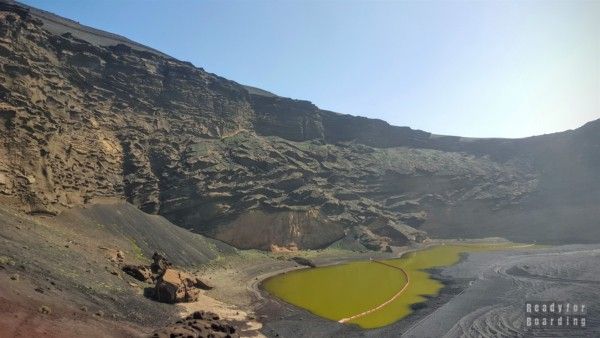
[(239, 278)]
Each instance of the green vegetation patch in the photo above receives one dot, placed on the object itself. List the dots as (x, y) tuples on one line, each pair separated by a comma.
[(137, 251)]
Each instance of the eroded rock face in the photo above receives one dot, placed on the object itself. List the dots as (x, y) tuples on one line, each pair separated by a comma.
[(291, 229), (82, 121)]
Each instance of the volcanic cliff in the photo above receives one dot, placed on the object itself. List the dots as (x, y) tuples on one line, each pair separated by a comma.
[(87, 115)]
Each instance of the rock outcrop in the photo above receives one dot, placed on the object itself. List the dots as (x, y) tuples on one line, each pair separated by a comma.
[(83, 119), (175, 286), (171, 285), (304, 261), (160, 264), (139, 272), (199, 324)]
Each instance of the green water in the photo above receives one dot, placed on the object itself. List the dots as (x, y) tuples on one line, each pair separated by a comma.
[(344, 290)]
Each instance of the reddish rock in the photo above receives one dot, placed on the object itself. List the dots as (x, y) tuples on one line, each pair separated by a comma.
[(139, 272), (176, 286)]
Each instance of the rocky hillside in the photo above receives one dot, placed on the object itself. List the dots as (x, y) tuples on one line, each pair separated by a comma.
[(86, 115)]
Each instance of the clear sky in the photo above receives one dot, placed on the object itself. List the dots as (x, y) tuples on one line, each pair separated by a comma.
[(486, 69)]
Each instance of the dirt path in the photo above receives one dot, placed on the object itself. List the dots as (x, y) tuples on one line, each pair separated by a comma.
[(382, 305)]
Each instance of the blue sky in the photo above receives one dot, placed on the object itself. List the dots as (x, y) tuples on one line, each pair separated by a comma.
[(482, 69)]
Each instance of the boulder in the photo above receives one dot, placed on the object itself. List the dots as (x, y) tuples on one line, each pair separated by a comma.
[(304, 261), (139, 272), (159, 264), (176, 286)]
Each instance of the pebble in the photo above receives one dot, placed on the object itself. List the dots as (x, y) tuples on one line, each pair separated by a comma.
[(45, 309)]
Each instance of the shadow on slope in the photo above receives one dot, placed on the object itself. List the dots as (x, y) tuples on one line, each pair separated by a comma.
[(149, 233)]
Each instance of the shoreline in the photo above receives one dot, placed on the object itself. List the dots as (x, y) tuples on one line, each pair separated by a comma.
[(277, 314)]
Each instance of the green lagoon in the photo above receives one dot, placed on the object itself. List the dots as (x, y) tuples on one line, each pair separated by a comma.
[(372, 293)]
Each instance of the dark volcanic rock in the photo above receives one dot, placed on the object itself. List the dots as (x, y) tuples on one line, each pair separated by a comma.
[(304, 261), (198, 324), (139, 272), (159, 264), (86, 115)]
